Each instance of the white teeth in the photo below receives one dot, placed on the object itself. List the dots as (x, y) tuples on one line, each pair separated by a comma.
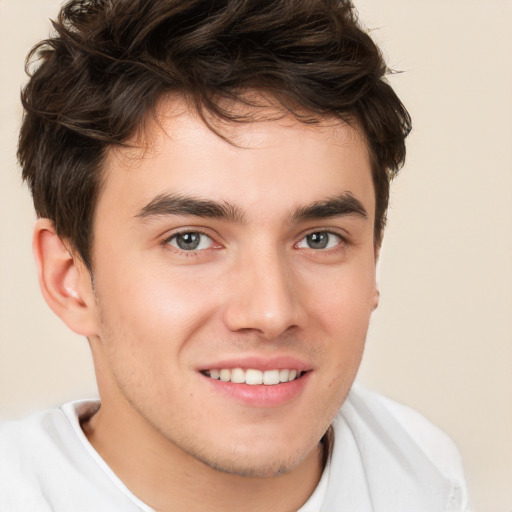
[(237, 375), (225, 375), (254, 377), (283, 375), (271, 377)]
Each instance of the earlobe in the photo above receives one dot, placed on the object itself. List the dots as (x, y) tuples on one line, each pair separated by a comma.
[(376, 298), (64, 281), (376, 292)]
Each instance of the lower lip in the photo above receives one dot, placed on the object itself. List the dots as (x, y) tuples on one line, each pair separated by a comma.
[(261, 395)]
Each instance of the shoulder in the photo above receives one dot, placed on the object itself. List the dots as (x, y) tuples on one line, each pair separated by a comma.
[(404, 420), (47, 431), (22, 439), (48, 465), (25, 445), (399, 449), (38, 458), (433, 442)]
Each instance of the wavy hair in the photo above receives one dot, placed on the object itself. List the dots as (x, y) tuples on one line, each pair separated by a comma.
[(94, 81)]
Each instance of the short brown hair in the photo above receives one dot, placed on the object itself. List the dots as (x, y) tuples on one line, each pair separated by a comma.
[(110, 61)]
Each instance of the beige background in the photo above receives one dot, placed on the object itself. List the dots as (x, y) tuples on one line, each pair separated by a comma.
[(442, 337)]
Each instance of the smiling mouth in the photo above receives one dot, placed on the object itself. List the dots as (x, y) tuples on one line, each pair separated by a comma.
[(254, 377)]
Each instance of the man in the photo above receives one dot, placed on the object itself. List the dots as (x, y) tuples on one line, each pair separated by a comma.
[(211, 181)]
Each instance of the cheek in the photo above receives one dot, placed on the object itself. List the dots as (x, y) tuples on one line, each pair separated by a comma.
[(345, 301), (344, 312), (145, 325), (148, 322), (158, 301)]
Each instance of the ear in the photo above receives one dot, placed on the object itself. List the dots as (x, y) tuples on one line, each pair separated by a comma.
[(375, 298), (64, 280), (376, 292)]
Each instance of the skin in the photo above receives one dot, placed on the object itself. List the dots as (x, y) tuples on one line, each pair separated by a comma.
[(154, 314)]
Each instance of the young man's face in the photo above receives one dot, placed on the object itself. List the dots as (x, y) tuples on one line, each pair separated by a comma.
[(253, 262)]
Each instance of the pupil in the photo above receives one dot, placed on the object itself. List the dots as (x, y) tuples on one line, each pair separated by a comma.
[(318, 240), (188, 241)]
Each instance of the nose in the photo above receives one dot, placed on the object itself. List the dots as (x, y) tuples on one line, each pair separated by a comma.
[(263, 296)]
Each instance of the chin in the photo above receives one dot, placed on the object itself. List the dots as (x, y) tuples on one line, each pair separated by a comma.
[(257, 460), (251, 468)]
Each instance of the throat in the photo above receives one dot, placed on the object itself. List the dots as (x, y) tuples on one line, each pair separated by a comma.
[(283, 492)]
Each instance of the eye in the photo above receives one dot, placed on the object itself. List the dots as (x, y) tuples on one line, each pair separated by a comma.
[(190, 241), (320, 240)]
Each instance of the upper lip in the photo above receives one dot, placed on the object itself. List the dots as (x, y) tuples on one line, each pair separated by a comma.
[(259, 363)]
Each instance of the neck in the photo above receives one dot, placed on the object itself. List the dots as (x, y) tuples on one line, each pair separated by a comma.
[(168, 479)]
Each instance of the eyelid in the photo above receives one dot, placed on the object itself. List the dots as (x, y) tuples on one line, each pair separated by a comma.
[(182, 231), (330, 231)]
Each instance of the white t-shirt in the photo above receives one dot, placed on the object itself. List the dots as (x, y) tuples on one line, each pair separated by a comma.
[(386, 458)]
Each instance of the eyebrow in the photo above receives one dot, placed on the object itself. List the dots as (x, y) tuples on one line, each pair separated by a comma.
[(341, 205), (175, 204)]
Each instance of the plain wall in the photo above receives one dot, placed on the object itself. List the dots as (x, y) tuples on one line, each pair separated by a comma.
[(441, 339)]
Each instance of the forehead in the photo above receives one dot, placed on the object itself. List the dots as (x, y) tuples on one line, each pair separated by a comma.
[(275, 158), (176, 121)]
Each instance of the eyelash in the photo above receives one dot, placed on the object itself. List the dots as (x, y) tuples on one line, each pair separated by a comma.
[(166, 242), (343, 242)]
